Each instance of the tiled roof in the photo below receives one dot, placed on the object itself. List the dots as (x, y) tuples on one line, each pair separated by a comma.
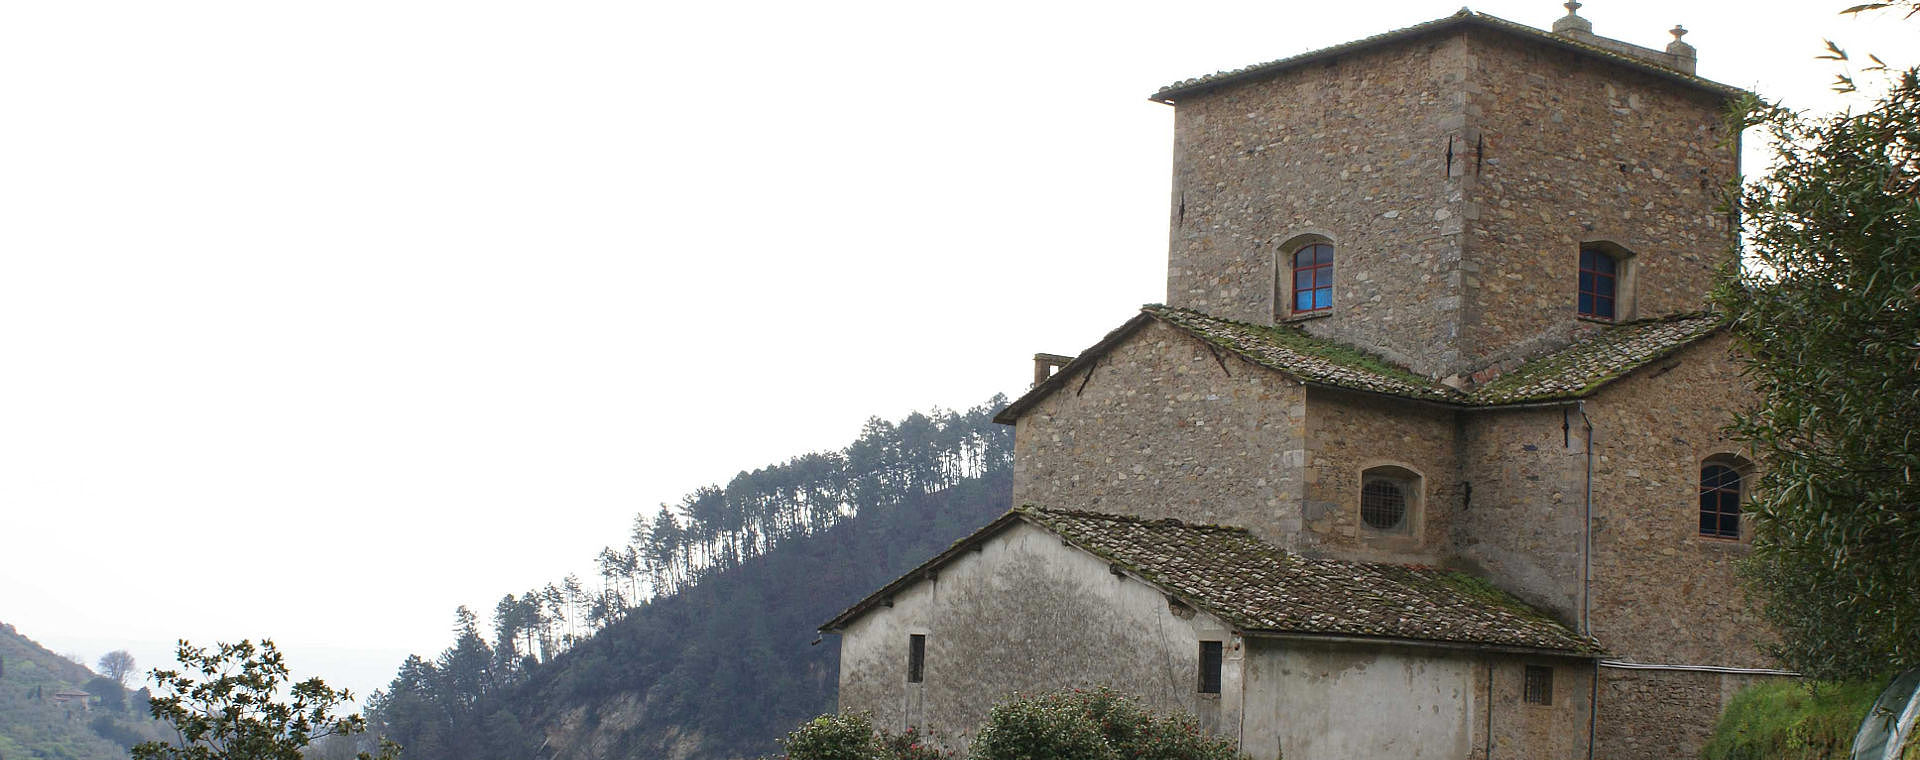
[(1305, 357), (1597, 358), (1601, 355), (1177, 90), (1256, 587)]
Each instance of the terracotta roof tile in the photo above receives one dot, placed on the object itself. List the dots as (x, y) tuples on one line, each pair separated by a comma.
[(1598, 357), (1305, 357), (1601, 355), (1254, 586)]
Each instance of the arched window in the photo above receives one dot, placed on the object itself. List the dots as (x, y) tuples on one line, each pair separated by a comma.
[(1313, 278), (1720, 481), (1599, 282)]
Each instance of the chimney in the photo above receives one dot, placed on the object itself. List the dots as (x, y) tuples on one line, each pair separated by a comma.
[(1044, 365)]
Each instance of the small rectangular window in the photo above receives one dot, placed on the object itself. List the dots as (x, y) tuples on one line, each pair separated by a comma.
[(1539, 689), (916, 658), (1209, 667)]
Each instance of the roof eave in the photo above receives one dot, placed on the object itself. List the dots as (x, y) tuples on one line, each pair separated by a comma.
[(1032, 397), (1594, 653), (919, 572)]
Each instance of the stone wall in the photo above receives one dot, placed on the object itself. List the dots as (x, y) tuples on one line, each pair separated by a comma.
[(1029, 614), (1662, 592), (1456, 175), (1660, 714), (1521, 526), (1348, 434), (1165, 428), (1579, 150), (1352, 151)]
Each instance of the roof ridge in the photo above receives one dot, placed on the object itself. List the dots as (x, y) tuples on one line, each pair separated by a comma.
[(1169, 93), (1170, 522), (1297, 332)]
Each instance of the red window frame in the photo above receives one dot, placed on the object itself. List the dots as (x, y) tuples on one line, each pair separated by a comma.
[(1719, 500), (1599, 284), (1313, 278)]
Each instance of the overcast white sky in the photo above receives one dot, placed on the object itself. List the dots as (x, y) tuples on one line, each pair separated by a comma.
[(320, 319)]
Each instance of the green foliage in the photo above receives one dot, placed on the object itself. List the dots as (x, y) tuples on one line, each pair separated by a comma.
[(1092, 724), (110, 694), (1792, 720), (32, 725), (833, 737), (1827, 313), (226, 705)]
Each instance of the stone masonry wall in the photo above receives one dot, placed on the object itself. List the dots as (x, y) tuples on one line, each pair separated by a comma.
[(1660, 714), (1521, 525), (1578, 150), (1349, 433), (1662, 592), (1352, 151), (1456, 176), (1164, 428)]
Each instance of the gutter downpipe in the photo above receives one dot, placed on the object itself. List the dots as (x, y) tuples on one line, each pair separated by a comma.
[(1586, 582)]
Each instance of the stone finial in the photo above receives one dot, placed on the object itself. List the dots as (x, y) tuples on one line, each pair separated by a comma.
[(1572, 23), (1684, 56)]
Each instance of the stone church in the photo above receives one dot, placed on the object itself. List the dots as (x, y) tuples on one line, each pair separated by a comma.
[(1423, 457)]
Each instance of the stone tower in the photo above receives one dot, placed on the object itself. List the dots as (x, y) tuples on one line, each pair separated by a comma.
[(1457, 172)]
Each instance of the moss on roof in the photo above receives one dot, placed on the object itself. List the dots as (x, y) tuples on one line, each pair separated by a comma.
[(1596, 359), (1603, 354), (1291, 350), (1250, 584)]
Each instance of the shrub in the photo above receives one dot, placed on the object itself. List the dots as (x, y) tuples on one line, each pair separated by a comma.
[(1092, 724), (1792, 720), (833, 737)]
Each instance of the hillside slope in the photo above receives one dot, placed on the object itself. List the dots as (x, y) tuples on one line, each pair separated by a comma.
[(32, 723), (722, 659)]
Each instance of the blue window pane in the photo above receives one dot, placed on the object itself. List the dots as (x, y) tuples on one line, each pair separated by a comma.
[(1323, 277), (1603, 308), (1303, 258), (1586, 282), (1602, 263), (1323, 298), (1586, 303), (1303, 300), (1323, 254), (1303, 280)]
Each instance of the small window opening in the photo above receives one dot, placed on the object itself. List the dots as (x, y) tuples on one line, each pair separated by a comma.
[(916, 658), (1383, 504), (1599, 283), (1210, 667), (1313, 278), (1539, 686), (1719, 501)]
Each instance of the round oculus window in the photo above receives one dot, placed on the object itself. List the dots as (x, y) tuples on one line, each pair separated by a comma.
[(1383, 504)]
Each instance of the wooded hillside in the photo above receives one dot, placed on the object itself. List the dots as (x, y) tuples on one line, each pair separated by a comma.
[(42, 716), (718, 657)]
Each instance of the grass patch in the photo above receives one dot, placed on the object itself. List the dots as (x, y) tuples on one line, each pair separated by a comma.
[(1792, 720)]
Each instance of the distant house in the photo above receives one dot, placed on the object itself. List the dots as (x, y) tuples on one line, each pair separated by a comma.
[(70, 697), (1424, 455)]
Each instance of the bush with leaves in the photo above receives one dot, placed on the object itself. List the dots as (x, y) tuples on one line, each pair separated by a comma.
[(853, 737), (1827, 313), (1093, 724), (226, 705)]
